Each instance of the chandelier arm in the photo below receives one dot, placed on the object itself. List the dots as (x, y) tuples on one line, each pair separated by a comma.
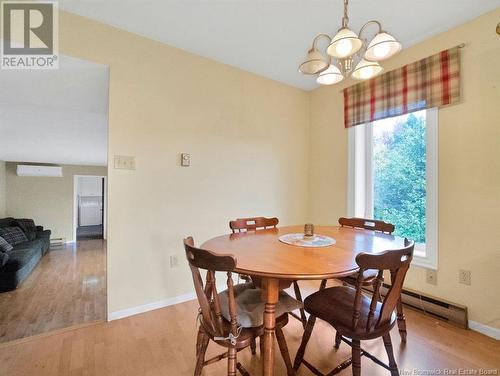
[(370, 23), (318, 37)]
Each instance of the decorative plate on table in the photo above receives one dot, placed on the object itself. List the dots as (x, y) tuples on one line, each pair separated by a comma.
[(301, 240)]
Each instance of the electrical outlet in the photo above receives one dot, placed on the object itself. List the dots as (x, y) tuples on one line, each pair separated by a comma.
[(174, 261), (464, 277), (431, 277), (124, 162)]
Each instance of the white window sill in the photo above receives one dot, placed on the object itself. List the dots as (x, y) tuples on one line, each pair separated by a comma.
[(420, 260)]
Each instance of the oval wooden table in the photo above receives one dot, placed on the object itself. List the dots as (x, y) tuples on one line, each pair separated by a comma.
[(262, 254)]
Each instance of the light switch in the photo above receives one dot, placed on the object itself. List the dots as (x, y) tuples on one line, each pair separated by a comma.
[(124, 162), (185, 159)]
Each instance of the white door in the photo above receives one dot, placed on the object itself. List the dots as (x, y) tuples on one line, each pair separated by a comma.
[(90, 210), (90, 200)]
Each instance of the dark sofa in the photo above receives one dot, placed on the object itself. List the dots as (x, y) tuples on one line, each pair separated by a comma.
[(24, 257)]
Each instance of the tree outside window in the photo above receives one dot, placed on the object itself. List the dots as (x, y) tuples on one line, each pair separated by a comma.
[(399, 174)]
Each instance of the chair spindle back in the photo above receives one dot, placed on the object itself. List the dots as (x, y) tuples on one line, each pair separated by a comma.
[(367, 224), (246, 224), (395, 261), (208, 298)]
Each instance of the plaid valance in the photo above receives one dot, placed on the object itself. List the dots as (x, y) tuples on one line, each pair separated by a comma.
[(430, 82)]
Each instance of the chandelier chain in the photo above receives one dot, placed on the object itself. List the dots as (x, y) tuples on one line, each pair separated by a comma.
[(345, 19)]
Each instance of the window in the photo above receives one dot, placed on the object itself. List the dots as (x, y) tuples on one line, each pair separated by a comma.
[(393, 177)]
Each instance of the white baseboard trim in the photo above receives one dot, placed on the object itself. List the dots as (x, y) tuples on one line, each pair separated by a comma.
[(155, 305), (473, 325), (150, 306), (485, 329)]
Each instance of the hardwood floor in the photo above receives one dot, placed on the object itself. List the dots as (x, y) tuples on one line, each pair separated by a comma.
[(162, 342), (67, 287), (89, 232)]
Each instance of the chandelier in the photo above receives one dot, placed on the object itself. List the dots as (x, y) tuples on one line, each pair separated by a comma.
[(348, 54)]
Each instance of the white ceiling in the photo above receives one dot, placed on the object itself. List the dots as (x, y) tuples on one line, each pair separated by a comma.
[(55, 116), (270, 37)]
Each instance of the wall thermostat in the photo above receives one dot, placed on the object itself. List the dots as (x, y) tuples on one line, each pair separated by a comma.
[(185, 159)]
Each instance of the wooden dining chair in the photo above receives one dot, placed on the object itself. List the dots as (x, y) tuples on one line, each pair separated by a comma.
[(261, 223), (219, 320), (356, 316), (246, 224), (369, 275), (367, 224)]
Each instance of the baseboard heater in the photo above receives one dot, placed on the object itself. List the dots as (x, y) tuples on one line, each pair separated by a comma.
[(453, 313)]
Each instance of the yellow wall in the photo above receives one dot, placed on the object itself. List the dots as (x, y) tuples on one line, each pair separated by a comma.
[(49, 201), (3, 188), (248, 138), (469, 168), (260, 147)]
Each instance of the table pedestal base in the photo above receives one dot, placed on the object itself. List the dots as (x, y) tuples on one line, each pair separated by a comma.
[(270, 296)]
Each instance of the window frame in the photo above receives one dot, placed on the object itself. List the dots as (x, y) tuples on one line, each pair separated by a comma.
[(360, 176)]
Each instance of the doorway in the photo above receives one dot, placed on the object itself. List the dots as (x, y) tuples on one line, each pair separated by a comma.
[(89, 207), (55, 118)]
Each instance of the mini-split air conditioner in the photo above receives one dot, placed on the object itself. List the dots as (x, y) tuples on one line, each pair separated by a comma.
[(46, 171)]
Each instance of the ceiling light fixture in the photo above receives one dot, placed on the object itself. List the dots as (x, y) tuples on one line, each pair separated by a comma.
[(330, 76), (348, 54)]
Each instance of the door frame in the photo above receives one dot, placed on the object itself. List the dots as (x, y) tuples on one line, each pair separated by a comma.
[(104, 206)]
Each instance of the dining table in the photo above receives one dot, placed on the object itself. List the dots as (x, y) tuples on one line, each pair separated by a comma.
[(261, 253)]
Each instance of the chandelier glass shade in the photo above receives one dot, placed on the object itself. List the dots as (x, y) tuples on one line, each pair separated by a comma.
[(383, 46), (344, 44), (366, 69), (348, 54), (314, 63), (330, 76)]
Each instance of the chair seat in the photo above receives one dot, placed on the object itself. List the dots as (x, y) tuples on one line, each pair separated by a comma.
[(320, 305), (246, 334), (369, 276), (250, 307)]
